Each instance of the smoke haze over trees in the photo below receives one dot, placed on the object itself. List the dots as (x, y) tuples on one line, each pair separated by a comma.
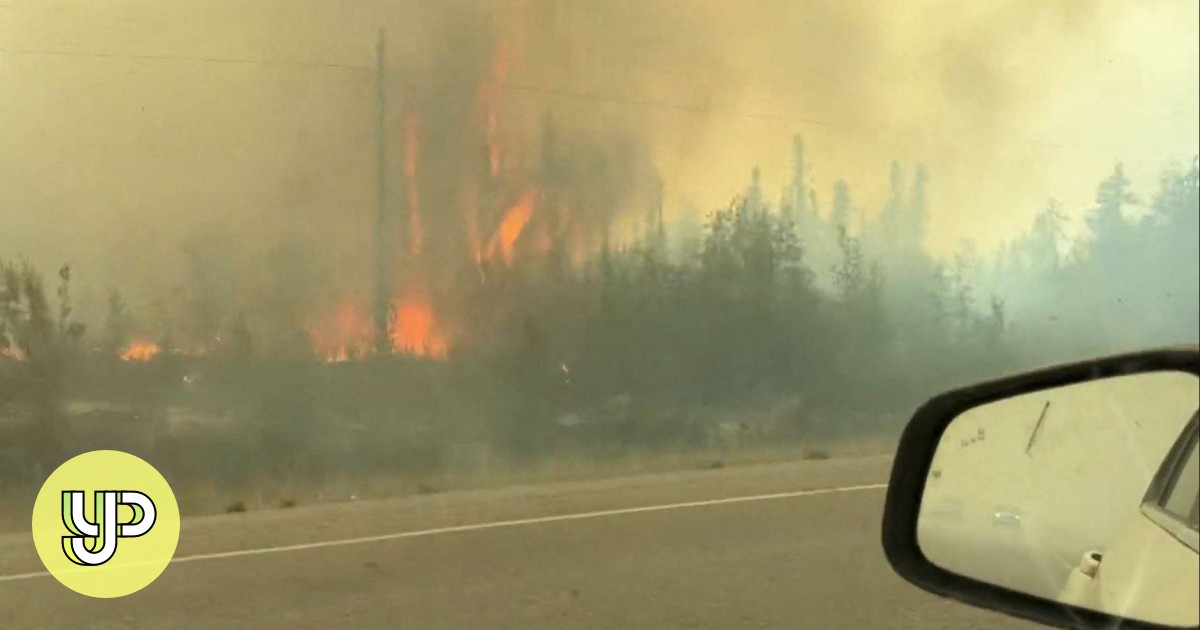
[(595, 238), (128, 134), (832, 330)]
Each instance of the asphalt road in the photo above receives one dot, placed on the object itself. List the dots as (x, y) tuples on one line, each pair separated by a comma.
[(507, 559)]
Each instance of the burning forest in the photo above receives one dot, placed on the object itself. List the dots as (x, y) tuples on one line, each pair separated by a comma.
[(520, 231), (465, 204)]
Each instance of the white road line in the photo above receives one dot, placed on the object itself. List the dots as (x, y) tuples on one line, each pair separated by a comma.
[(492, 525)]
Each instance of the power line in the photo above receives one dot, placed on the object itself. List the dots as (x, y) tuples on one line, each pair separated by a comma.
[(595, 97), (587, 96)]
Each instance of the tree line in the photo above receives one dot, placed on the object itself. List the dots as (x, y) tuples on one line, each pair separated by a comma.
[(840, 318)]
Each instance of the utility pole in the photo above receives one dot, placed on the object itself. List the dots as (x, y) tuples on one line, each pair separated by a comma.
[(382, 251)]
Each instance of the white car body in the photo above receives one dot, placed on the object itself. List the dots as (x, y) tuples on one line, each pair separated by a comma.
[(1152, 569)]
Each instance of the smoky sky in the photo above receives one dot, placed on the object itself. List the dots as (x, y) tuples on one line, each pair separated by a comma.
[(137, 131)]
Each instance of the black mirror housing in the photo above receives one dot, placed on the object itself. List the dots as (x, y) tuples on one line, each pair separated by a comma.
[(912, 465)]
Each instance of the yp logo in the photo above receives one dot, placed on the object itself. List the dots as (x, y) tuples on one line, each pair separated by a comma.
[(101, 535), (103, 542)]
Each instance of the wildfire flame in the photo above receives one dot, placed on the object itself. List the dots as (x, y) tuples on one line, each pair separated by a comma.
[(511, 226), (346, 334), (139, 351), (413, 326), (414, 330)]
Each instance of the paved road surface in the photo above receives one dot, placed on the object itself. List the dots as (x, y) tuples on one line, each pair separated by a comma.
[(796, 561)]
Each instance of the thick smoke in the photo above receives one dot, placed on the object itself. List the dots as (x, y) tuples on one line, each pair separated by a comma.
[(141, 150)]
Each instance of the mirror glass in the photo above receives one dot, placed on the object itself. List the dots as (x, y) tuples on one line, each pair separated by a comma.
[(1083, 494)]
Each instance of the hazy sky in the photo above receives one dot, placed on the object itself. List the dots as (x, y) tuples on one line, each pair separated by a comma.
[(123, 131)]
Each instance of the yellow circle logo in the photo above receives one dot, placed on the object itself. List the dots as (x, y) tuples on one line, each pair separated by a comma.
[(105, 524)]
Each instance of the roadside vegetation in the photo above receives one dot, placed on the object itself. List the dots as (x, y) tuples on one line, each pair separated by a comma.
[(802, 328)]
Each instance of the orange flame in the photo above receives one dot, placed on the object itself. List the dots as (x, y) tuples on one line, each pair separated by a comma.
[(412, 150), (414, 330), (511, 226), (139, 351)]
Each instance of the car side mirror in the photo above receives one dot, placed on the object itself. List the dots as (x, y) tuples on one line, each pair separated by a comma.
[(1066, 496)]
